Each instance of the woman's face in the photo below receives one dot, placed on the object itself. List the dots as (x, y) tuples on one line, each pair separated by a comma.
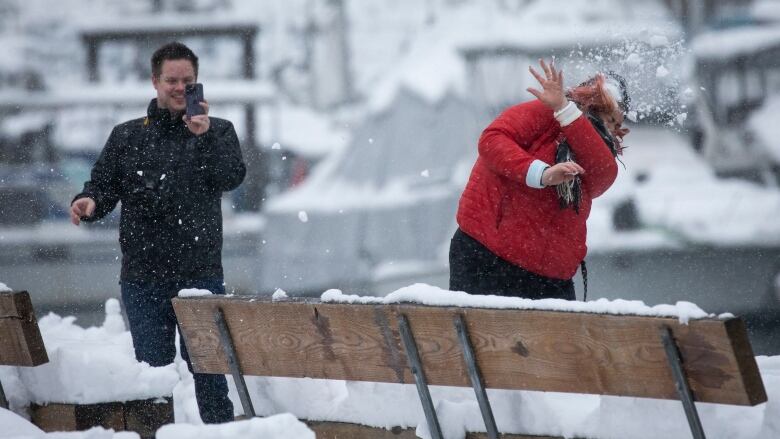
[(614, 122)]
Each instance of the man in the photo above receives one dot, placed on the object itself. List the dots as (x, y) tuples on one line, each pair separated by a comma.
[(169, 172)]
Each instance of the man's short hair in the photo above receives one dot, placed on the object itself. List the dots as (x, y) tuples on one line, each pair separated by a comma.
[(172, 51)]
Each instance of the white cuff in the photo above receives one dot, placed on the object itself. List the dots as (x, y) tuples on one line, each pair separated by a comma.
[(534, 176), (567, 114)]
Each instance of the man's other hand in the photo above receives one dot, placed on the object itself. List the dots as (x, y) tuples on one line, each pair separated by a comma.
[(81, 208)]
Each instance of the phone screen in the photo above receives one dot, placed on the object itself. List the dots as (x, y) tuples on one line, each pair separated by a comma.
[(193, 93)]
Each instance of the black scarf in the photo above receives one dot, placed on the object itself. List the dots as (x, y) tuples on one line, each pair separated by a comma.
[(570, 192)]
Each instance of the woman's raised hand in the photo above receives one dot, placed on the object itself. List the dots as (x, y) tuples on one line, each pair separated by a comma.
[(552, 93)]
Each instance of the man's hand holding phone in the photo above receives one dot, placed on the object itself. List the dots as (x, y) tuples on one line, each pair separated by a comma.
[(196, 117)]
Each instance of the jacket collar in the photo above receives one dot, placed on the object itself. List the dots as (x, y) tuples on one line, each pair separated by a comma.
[(161, 115)]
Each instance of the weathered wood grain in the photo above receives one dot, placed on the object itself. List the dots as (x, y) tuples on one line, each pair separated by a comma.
[(74, 417), (515, 349), (144, 417), (20, 339), (343, 430)]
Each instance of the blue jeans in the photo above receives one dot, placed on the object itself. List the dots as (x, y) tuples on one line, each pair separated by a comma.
[(153, 329)]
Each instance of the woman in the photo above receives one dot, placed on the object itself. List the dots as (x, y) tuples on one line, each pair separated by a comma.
[(522, 215)]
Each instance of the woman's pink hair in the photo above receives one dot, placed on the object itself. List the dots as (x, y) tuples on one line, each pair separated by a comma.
[(592, 97)]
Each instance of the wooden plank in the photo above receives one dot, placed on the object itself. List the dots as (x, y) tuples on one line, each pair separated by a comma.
[(744, 357), (106, 415), (511, 436), (344, 430), (146, 416), (77, 417), (20, 339), (515, 349), (15, 304), (54, 417)]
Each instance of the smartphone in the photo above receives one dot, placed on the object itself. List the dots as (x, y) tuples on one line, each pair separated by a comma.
[(193, 94)]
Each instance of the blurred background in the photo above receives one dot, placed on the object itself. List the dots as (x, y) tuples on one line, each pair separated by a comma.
[(358, 121)]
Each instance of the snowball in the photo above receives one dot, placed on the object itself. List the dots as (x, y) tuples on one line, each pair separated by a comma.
[(194, 292), (634, 60)]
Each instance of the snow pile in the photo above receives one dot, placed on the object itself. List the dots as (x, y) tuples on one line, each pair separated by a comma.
[(279, 294), (284, 426), (387, 405), (4, 288), (88, 366), (431, 295)]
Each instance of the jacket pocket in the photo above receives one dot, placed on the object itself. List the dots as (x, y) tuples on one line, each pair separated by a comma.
[(500, 213)]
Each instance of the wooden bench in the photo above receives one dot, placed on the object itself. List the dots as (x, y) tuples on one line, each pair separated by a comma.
[(20, 339), (706, 360), (21, 344)]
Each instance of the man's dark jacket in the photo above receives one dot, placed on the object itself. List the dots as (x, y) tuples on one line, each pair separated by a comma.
[(170, 183)]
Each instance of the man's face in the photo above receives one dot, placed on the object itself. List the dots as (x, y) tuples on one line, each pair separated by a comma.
[(174, 75)]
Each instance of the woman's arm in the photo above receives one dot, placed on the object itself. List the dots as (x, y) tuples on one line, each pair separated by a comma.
[(504, 143)]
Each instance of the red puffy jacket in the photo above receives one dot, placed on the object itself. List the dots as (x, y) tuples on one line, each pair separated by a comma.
[(524, 225)]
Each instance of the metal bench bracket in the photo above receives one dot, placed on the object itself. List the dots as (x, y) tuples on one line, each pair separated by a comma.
[(3, 400), (232, 357), (419, 377), (476, 378), (681, 382)]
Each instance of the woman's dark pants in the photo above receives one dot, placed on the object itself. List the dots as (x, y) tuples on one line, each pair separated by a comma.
[(476, 270)]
